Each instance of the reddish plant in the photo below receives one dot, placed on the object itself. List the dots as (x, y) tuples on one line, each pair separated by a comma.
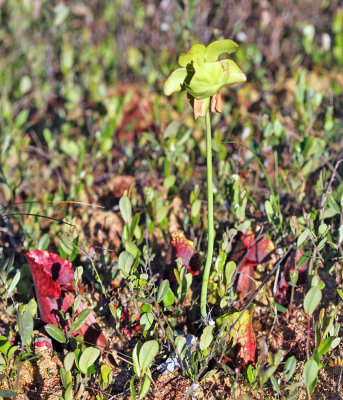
[(257, 252), (185, 250), (243, 336), (53, 278)]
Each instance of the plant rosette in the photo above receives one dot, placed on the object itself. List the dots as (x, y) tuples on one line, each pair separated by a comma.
[(202, 75)]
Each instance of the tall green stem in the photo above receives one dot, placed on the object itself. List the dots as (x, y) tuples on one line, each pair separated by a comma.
[(211, 233)]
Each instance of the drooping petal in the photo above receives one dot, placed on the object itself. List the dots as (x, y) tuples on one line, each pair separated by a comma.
[(217, 102), (200, 107), (215, 49), (236, 75), (175, 81), (195, 53)]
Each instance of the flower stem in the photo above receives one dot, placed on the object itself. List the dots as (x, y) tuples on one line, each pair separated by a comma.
[(211, 233)]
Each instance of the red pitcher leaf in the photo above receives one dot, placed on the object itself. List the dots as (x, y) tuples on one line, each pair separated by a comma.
[(245, 283), (257, 252), (49, 268), (53, 279), (243, 335), (248, 238), (283, 291), (186, 251), (50, 275)]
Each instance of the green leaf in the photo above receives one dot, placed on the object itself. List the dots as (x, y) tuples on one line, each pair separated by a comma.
[(230, 269), (55, 333), (220, 261), (169, 299), (304, 258), (175, 81), (322, 228), (88, 358), (145, 387), (14, 282), (169, 181), (279, 307), (78, 273), (5, 345), (132, 388), (11, 352), (196, 206), (276, 386), (312, 299), (325, 346), (125, 263), (44, 242), (335, 342), (147, 353), (329, 213), (63, 376), (25, 326), (105, 374), (77, 302), (69, 361), (215, 49), (77, 353), (251, 374), (131, 248), (161, 214), (340, 234), (32, 307), (206, 337), (80, 320), (269, 208), (2, 367), (180, 343), (289, 367), (145, 300), (146, 321), (310, 373), (125, 209), (68, 394), (163, 290), (70, 147), (135, 360), (302, 237)]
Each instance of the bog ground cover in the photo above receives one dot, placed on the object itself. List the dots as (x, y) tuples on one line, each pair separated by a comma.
[(171, 195)]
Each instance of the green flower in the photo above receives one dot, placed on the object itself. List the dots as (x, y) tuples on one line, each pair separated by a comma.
[(203, 75)]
